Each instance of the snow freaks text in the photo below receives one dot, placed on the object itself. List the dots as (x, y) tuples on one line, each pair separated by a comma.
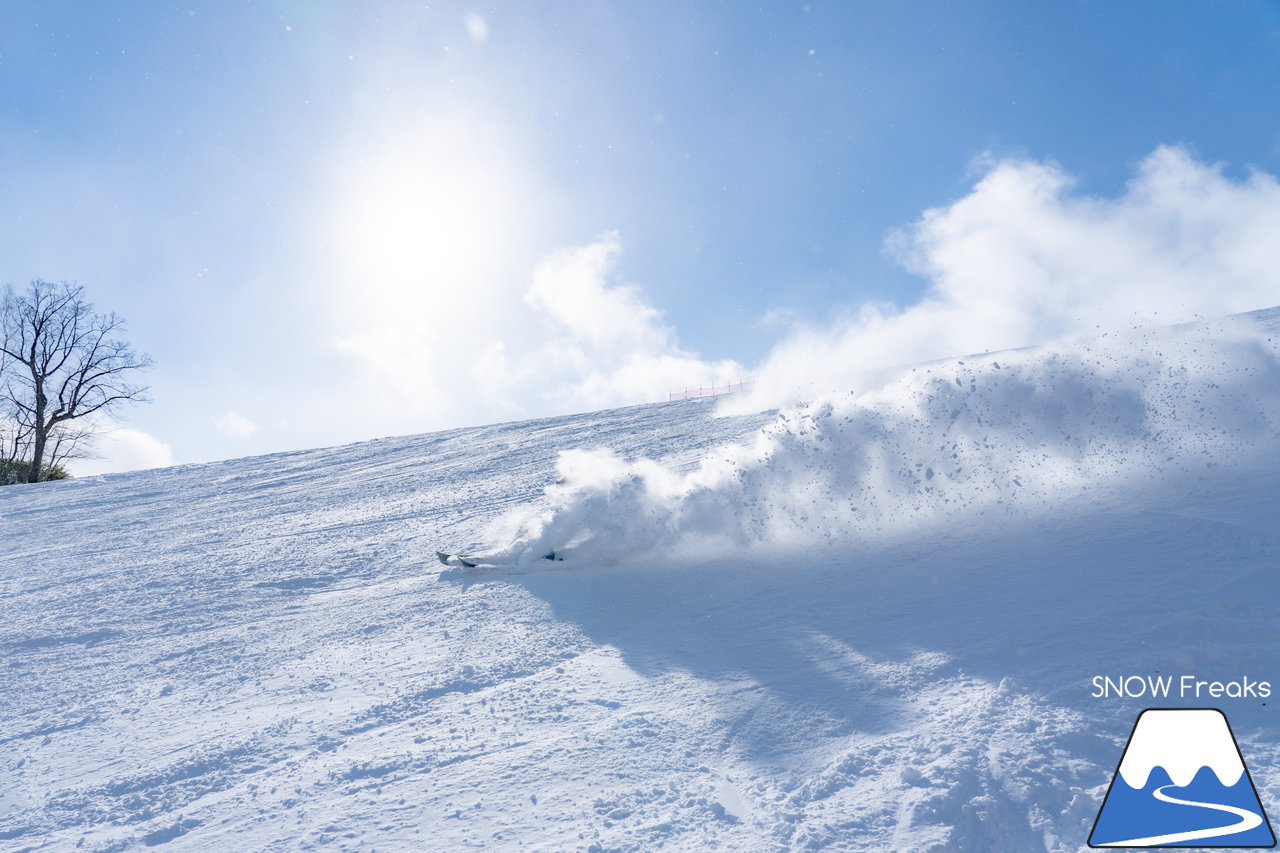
[(1177, 687)]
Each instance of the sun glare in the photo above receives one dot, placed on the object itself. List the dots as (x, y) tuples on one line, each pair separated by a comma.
[(425, 221)]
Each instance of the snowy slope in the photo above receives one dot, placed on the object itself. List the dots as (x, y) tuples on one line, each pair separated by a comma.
[(828, 648)]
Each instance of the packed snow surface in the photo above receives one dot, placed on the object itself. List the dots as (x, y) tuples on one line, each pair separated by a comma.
[(867, 624)]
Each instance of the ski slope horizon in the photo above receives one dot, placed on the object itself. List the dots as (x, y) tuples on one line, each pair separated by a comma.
[(869, 623)]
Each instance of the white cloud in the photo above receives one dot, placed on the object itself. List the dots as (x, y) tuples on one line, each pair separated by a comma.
[(450, 317), (123, 449), (607, 344), (477, 28), (234, 425), (569, 288), (443, 323), (1022, 259)]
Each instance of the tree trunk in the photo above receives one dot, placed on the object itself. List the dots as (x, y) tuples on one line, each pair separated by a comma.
[(37, 458), (41, 436)]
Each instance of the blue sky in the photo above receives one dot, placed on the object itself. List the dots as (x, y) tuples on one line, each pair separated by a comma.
[(326, 221)]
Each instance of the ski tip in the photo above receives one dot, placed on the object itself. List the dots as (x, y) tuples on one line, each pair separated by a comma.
[(455, 560)]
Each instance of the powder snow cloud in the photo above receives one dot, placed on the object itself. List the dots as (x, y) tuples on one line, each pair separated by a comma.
[(1020, 260), (1001, 437)]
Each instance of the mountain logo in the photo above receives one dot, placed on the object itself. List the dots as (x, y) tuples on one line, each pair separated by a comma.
[(1182, 782)]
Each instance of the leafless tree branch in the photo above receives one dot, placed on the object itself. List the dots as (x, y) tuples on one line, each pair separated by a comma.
[(59, 363)]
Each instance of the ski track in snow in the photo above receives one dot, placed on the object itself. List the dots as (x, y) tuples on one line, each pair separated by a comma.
[(264, 654)]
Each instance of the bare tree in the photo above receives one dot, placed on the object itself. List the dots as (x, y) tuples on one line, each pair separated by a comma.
[(65, 363)]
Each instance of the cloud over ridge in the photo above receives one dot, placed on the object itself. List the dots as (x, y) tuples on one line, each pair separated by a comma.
[(1021, 259)]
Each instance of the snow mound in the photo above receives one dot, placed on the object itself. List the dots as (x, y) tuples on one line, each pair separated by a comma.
[(1013, 433)]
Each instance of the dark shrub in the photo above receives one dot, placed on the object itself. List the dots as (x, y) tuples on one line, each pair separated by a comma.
[(18, 471)]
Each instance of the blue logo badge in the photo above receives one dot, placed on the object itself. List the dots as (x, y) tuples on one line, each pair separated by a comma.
[(1182, 782)]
